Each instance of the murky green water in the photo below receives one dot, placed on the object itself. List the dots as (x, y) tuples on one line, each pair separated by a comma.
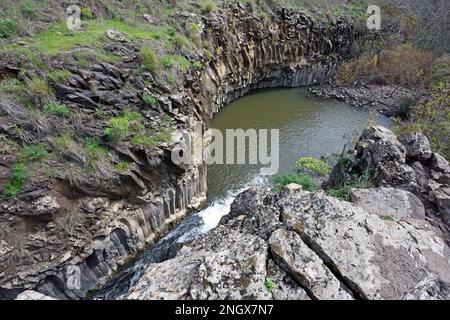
[(308, 126)]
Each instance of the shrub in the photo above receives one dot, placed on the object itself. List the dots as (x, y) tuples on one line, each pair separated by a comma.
[(167, 62), (269, 285), (294, 177), (122, 165), (39, 88), (94, 146), (432, 116), (343, 192), (197, 65), (403, 65), (8, 28), (149, 99), (148, 59), (117, 128), (405, 107), (32, 153), (312, 164), (57, 109), (86, 13), (18, 175), (27, 8), (208, 6)]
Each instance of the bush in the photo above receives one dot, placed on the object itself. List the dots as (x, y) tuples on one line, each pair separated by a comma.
[(32, 153), (18, 175), (197, 65), (8, 28), (122, 165), (405, 107), (403, 65), (27, 8), (294, 177), (119, 127), (313, 165), (343, 192), (149, 99), (208, 6), (56, 109), (149, 60), (86, 13), (167, 62), (39, 88), (432, 116), (269, 285)]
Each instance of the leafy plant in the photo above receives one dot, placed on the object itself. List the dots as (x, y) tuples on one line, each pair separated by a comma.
[(312, 164), (305, 181), (119, 127), (197, 65), (149, 60), (32, 153), (167, 62), (122, 165), (269, 285), (18, 175), (149, 99), (86, 13), (57, 109)]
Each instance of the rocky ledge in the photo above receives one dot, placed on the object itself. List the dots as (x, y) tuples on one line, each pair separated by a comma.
[(385, 99), (382, 244)]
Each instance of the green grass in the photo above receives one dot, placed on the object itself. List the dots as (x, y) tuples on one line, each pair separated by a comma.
[(343, 192), (168, 61), (28, 8), (32, 153), (119, 127), (8, 28), (59, 75), (18, 175), (305, 181), (94, 146), (149, 99), (57, 109), (38, 87), (122, 165)]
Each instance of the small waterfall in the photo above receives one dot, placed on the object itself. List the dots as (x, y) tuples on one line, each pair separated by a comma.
[(186, 231)]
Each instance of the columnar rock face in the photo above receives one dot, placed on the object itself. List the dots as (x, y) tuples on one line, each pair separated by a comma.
[(66, 238)]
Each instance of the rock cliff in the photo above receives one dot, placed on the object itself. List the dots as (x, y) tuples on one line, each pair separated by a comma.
[(70, 228)]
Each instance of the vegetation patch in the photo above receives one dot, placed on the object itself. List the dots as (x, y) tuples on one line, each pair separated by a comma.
[(8, 28), (313, 165), (57, 109)]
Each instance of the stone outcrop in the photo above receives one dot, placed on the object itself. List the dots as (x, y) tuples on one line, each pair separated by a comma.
[(385, 99), (323, 248), (306, 245), (65, 236), (406, 162)]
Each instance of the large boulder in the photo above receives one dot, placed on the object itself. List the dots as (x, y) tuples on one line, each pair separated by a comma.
[(388, 203), (417, 146), (374, 257), (223, 265)]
